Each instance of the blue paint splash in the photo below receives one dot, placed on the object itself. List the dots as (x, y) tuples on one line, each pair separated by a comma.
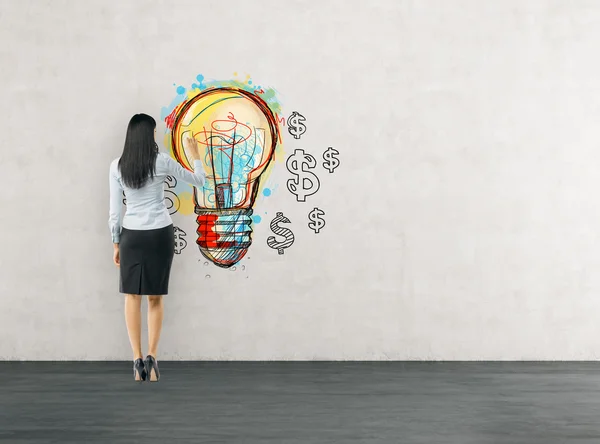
[(200, 85), (269, 95), (166, 110)]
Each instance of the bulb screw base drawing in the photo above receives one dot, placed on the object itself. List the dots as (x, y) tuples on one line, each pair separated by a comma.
[(224, 235)]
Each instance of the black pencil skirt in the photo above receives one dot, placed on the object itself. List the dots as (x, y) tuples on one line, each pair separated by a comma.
[(146, 258)]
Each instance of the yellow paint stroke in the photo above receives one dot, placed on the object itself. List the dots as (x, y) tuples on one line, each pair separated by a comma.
[(186, 202)]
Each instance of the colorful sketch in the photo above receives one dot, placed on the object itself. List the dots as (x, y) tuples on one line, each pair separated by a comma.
[(238, 132), (239, 124)]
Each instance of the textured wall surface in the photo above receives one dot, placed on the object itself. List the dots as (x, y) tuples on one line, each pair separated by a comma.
[(461, 223)]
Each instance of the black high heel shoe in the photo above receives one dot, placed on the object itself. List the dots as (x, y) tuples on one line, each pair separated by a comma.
[(139, 368), (151, 364)]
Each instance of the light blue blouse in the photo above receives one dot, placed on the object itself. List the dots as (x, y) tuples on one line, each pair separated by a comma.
[(146, 209)]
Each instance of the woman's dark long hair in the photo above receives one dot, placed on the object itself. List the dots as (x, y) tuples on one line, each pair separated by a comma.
[(138, 161)]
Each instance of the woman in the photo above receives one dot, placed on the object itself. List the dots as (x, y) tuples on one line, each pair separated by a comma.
[(144, 242)]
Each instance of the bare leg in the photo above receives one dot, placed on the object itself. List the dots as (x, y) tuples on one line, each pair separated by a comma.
[(133, 320), (155, 320)]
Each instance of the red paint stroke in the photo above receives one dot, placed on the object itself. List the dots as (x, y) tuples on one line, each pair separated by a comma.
[(208, 238), (206, 229), (259, 91), (170, 119), (230, 125), (279, 121)]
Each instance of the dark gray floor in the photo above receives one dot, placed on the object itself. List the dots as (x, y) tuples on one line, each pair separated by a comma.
[(309, 402)]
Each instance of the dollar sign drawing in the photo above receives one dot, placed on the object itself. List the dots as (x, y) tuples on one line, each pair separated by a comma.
[(180, 242), (295, 126), (280, 231), (171, 199), (316, 220), (331, 161), (298, 185)]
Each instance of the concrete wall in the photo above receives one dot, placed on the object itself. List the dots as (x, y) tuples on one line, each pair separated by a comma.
[(462, 222)]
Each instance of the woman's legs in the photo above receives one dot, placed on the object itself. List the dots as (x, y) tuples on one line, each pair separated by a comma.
[(155, 320), (133, 320)]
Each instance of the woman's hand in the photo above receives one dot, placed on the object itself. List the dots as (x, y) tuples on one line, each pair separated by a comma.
[(116, 255), (192, 148)]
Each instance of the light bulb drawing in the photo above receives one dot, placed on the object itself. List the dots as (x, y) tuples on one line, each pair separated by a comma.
[(237, 133)]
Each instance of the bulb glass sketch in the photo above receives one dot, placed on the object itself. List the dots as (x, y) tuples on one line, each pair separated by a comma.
[(237, 133)]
